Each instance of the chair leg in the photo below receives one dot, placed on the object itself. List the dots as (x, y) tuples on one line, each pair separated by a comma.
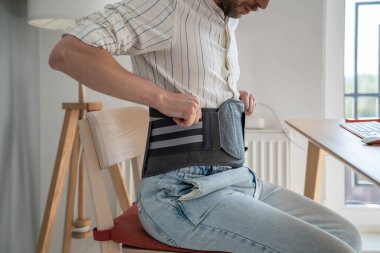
[(109, 247), (120, 187), (137, 164)]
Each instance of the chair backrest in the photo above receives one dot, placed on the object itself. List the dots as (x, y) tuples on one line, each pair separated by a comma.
[(109, 137), (119, 134)]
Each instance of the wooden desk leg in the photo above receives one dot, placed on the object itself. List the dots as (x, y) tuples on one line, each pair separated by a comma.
[(56, 186), (314, 172)]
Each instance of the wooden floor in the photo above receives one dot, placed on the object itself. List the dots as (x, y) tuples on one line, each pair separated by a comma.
[(85, 246)]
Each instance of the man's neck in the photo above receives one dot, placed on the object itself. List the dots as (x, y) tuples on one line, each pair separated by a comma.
[(218, 3)]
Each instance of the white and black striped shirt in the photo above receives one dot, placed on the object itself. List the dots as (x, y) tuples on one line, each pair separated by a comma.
[(185, 46)]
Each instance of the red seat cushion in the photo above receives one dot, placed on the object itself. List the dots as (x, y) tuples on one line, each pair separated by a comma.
[(129, 232)]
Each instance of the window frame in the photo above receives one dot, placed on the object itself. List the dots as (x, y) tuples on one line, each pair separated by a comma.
[(355, 95)]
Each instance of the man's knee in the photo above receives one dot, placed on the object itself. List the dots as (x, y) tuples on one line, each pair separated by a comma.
[(352, 236)]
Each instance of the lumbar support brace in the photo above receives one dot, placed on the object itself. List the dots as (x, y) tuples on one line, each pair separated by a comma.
[(218, 139)]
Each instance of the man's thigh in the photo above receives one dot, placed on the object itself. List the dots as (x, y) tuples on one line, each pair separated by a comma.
[(310, 211), (240, 223)]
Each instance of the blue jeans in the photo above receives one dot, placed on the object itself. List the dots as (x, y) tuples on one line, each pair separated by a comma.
[(217, 208)]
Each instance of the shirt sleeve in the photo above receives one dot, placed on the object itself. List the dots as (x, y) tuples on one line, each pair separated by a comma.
[(129, 27)]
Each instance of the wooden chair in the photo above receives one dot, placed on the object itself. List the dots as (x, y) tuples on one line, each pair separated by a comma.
[(108, 138)]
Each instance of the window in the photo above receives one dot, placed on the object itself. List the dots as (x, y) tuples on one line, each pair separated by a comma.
[(362, 84)]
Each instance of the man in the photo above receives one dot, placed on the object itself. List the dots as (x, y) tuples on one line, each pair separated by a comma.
[(196, 192)]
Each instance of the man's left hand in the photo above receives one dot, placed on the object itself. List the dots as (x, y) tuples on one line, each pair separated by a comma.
[(249, 101)]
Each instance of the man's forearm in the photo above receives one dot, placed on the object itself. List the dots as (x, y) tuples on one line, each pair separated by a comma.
[(97, 69)]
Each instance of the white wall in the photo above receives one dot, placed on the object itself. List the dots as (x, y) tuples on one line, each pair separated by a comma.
[(281, 58), (281, 55), (334, 58), (19, 129)]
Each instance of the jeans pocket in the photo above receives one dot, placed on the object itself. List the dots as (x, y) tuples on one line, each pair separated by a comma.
[(208, 191), (204, 185), (170, 187), (195, 191)]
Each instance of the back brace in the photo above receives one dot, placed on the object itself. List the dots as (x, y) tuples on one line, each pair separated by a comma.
[(218, 139)]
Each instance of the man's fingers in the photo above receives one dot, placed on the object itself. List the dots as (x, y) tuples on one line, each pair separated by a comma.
[(192, 112), (249, 101), (252, 104), (181, 122), (246, 104), (177, 121), (196, 113), (199, 112), (244, 96)]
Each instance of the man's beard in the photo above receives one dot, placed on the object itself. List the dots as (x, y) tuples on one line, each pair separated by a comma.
[(229, 8)]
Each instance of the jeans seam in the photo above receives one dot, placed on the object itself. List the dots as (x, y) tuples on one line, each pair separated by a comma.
[(157, 228), (161, 177), (182, 212), (229, 232), (179, 209), (267, 196)]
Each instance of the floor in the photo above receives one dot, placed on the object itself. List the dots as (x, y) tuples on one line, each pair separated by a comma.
[(85, 246)]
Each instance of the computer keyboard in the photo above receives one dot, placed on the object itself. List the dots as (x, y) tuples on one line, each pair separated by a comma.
[(362, 129)]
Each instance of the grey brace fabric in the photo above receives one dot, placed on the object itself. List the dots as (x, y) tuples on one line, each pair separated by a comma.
[(216, 140)]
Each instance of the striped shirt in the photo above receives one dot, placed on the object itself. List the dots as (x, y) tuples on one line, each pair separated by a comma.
[(185, 46)]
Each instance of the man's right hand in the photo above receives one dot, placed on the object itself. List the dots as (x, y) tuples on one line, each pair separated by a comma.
[(185, 109)]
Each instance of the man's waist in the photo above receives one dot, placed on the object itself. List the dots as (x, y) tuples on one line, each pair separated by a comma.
[(166, 137), (218, 139)]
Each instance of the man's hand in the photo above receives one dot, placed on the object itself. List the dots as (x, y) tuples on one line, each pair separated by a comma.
[(249, 101), (185, 109)]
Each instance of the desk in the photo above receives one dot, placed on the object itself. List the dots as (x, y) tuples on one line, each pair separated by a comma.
[(326, 136)]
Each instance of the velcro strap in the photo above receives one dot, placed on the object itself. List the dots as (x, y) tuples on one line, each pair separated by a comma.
[(221, 128), (104, 235), (166, 137), (211, 130)]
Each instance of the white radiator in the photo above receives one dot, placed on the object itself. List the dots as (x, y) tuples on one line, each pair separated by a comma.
[(268, 155)]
